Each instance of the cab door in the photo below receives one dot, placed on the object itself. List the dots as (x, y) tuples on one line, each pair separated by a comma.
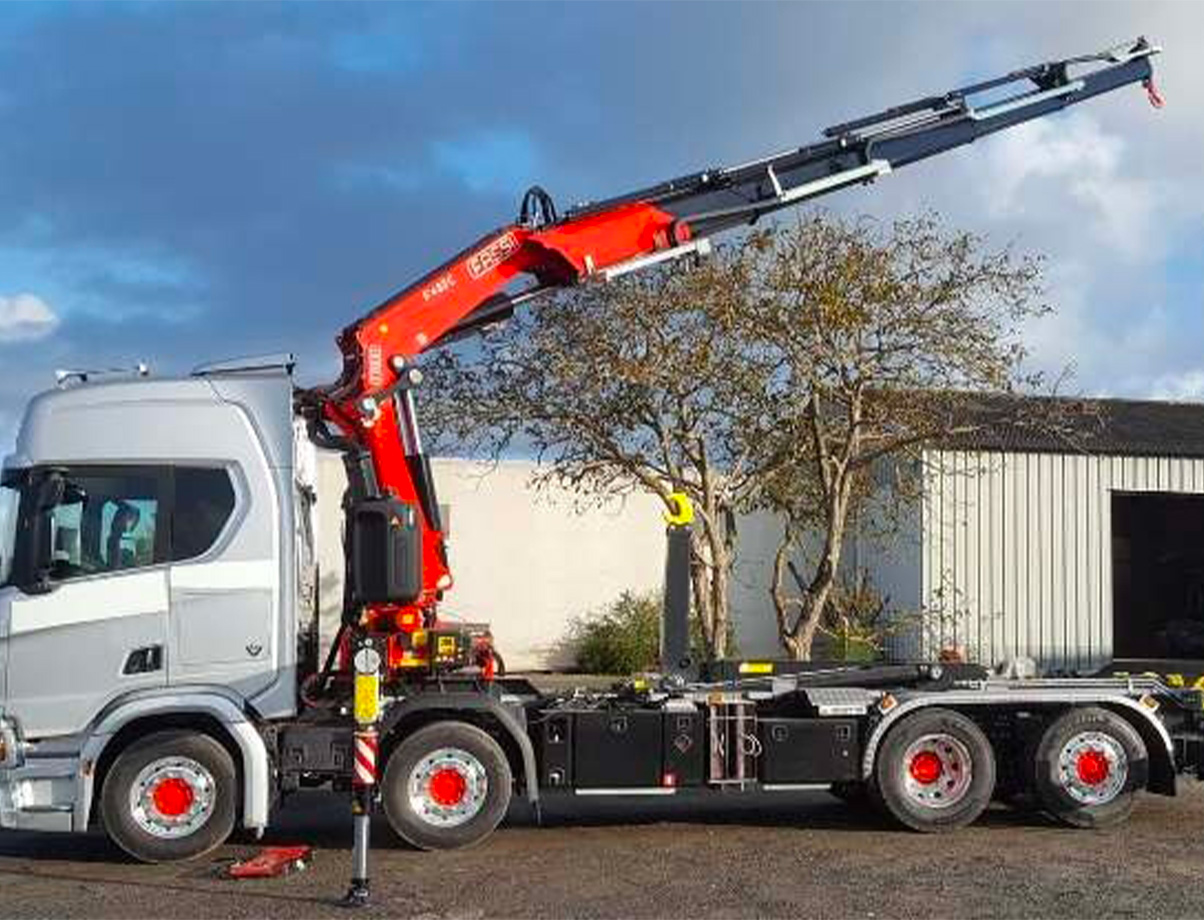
[(224, 583), (95, 626)]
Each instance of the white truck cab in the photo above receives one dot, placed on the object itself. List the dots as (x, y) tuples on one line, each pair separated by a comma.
[(149, 562)]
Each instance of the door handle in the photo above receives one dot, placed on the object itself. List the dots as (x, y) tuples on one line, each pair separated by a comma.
[(145, 660)]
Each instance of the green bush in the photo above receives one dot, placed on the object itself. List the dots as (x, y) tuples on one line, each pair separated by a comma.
[(625, 637)]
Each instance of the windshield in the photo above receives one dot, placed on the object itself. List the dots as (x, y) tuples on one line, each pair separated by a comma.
[(10, 499)]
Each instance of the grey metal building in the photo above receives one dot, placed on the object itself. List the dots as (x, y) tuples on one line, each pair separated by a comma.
[(1073, 548)]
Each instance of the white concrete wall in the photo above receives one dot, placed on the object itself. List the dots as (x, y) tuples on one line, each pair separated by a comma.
[(524, 561), (530, 561)]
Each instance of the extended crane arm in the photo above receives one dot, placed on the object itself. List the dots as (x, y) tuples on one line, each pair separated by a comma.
[(370, 405)]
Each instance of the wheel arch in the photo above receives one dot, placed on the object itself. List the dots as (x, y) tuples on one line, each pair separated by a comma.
[(474, 709), (1157, 739), (213, 714), (1158, 746)]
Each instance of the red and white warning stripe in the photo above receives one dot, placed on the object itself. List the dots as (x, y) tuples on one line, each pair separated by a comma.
[(366, 745)]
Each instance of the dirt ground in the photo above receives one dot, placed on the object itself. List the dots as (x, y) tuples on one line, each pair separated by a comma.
[(779, 855)]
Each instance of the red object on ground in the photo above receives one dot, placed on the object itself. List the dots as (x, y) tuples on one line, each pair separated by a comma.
[(272, 862)]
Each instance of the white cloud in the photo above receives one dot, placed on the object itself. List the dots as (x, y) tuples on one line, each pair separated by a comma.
[(1186, 386), (1109, 351), (26, 318), (1031, 164)]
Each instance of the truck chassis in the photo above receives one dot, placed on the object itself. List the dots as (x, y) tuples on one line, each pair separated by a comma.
[(932, 744)]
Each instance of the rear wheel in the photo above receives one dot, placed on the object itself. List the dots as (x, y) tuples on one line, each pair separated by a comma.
[(170, 796), (935, 771), (447, 785), (1088, 767)]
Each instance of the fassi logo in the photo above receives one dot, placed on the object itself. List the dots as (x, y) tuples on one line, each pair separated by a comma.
[(493, 255)]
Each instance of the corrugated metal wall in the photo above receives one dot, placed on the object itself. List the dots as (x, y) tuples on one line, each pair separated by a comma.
[(1017, 551)]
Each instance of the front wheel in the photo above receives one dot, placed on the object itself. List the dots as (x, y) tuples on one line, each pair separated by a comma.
[(446, 786), (935, 771), (170, 796)]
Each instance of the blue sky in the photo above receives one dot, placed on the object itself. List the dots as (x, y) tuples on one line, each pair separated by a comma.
[(184, 182)]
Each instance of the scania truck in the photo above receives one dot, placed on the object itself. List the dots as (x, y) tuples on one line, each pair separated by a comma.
[(160, 669)]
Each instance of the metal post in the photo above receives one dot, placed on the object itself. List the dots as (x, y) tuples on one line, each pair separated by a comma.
[(676, 660), (367, 663)]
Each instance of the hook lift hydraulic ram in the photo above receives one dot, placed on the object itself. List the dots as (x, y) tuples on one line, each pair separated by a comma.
[(186, 715)]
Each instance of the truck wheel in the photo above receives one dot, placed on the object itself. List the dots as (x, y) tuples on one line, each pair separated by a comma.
[(448, 785), (935, 771), (1088, 768), (170, 796)]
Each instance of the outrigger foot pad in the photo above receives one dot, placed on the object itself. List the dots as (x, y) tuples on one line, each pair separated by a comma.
[(357, 895)]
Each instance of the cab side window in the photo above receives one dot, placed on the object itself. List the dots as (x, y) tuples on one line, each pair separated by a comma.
[(204, 504), (106, 522), (115, 519)]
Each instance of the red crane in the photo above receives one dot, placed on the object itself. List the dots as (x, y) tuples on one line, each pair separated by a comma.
[(369, 411)]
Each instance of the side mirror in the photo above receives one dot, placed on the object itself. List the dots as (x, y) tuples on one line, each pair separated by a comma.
[(48, 492), (51, 488)]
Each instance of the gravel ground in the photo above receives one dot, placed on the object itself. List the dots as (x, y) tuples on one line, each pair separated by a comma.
[(797, 855)]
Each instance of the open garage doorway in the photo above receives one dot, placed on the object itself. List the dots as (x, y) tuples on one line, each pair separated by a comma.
[(1157, 576)]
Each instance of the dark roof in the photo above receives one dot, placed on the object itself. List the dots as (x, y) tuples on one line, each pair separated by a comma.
[(1110, 427)]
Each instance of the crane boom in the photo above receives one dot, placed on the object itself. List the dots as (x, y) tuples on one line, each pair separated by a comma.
[(369, 411)]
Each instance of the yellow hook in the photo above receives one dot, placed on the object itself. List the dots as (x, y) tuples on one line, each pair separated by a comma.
[(680, 509)]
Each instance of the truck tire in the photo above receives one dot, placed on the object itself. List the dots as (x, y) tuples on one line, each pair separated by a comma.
[(1088, 767), (935, 771), (446, 786), (170, 796)]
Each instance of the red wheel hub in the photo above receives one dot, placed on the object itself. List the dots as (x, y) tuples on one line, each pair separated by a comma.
[(172, 796), (447, 787), (925, 768), (1093, 767)]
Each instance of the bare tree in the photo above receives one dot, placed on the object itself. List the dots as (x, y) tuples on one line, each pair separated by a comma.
[(778, 375), (873, 338)]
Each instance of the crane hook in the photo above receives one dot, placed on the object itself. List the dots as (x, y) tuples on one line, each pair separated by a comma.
[(1152, 93)]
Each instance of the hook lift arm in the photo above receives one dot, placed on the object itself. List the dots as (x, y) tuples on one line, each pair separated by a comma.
[(369, 411)]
